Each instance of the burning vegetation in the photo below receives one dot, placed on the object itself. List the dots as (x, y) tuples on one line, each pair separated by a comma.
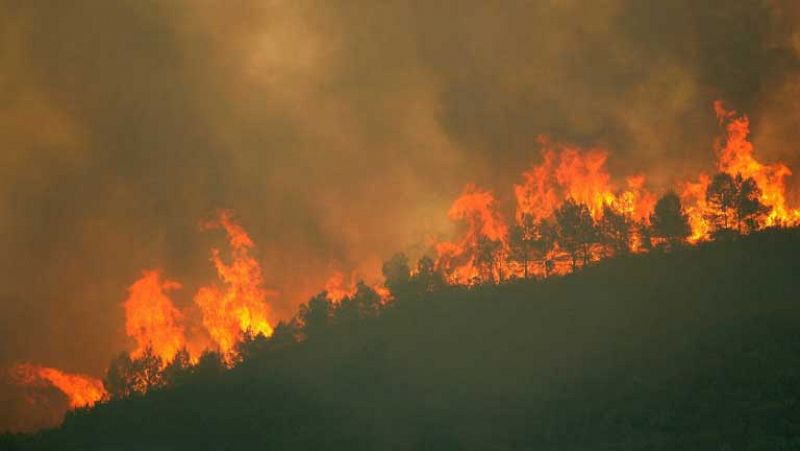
[(80, 390), (569, 213)]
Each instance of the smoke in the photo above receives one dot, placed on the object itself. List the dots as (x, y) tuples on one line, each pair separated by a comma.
[(338, 131)]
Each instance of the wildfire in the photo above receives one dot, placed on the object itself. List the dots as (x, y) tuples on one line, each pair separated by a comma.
[(337, 288), (693, 197), (240, 305), (568, 173), (735, 157), (81, 390), (568, 212), (485, 238), (152, 319)]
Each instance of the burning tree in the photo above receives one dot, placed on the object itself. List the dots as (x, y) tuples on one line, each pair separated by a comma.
[(396, 273), (127, 376), (735, 204), (315, 317), (750, 212), (480, 253), (576, 231), (669, 221), (530, 240), (615, 229)]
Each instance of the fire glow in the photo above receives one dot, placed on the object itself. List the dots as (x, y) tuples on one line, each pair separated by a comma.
[(81, 390), (567, 181), (579, 176)]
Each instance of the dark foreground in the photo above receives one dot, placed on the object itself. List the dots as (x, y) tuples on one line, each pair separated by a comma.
[(696, 349)]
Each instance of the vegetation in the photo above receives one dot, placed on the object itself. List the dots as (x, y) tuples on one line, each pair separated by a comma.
[(697, 348), (735, 202)]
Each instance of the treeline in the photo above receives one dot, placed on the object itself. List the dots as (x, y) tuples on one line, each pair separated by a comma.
[(732, 206), (696, 348), (734, 201)]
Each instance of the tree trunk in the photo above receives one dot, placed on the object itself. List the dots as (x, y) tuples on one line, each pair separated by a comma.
[(525, 262)]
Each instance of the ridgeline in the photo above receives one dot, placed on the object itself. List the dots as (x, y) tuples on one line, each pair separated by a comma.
[(698, 348)]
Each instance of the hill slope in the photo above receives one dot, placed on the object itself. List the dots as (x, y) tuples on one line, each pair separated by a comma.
[(696, 349)]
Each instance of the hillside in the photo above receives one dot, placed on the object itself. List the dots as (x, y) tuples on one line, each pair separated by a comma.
[(695, 349)]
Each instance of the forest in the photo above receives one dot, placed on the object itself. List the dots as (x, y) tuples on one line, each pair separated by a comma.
[(690, 347)]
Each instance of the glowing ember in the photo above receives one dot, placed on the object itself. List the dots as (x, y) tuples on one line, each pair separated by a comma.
[(82, 391)]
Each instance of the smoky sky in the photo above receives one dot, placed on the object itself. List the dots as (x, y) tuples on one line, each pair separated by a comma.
[(338, 131)]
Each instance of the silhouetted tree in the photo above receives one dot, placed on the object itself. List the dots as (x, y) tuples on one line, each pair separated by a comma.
[(547, 237), (126, 376), (346, 312), (397, 275), (178, 369), (530, 240), (426, 278), (736, 202), (669, 221), (488, 257), (315, 316), (118, 377), (749, 209), (209, 365), (721, 196), (615, 230), (364, 303), (576, 232), (367, 300), (285, 333), (522, 237), (645, 232), (252, 345), (146, 374)]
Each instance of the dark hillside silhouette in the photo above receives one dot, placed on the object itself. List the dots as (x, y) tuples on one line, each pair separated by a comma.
[(695, 348)]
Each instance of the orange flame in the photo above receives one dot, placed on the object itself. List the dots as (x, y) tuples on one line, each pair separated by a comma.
[(735, 156), (152, 319), (241, 305), (382, 292), (569, 172), (82, 391), (693, 198), (461, 260), (337, 288)]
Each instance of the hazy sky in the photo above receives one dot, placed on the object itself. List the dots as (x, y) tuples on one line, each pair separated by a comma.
[(339, 131)]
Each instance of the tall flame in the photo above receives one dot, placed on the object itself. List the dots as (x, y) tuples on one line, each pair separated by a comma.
[(240, 305), (461, 260), (81, 390), (151, 317), (568, 172), (735, 156)]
